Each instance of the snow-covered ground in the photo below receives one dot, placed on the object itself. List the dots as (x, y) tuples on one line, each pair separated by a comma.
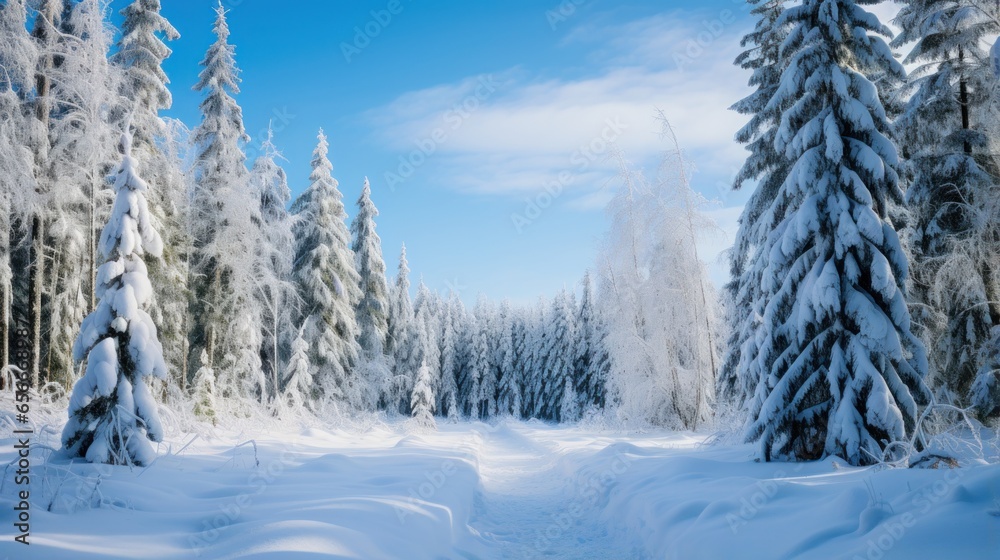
[(515, 490)]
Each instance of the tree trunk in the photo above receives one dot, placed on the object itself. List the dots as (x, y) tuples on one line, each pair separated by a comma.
[(963, 100), (44, 24), (4, 329), (92, 239), (35, 287)]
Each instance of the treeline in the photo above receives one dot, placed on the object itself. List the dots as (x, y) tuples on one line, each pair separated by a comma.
[(254, 302)]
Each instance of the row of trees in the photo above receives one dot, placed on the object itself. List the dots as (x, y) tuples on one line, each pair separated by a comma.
[(865, 272), (252, 301)]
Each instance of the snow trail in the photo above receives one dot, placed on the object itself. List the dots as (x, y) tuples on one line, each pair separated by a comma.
[(532, 506)]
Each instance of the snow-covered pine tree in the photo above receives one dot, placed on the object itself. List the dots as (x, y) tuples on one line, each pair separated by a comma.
[(453, 412), (569, 405), (485, 363), (462, 333), (81, 144), (328, 283), (111, 412), (559, 356), (765, 165), (842, 373), (427, 320), (204, 390), (449, 356), (18, 58), (219, 172), (373, 309), (946, 128), (31, 258), (269, 185), (422, 399), (533, 358), (140, 55), (591, 360), (300, 389), (403, 341), (141, 52), (509, 387), (479, 363)]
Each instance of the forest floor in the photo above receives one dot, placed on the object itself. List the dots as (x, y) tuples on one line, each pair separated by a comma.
[(518, 490)]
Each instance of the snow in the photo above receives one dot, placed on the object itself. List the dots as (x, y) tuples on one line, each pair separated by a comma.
[(389, 489)]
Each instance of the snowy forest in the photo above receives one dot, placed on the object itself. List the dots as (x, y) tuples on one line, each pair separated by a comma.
[(158, 278)]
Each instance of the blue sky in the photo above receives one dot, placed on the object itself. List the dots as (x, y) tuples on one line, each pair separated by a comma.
[(490, 102)]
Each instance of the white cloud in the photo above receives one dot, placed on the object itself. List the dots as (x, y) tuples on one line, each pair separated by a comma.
[(518, 134)]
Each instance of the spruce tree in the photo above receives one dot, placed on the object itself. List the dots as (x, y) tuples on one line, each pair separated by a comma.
[(269, 185), (591, 359), (373, 308), (205, 404), (558, 353), (300, 389), (946, 128), (328, 283), (219, 173), (768, 167), (841, 372), (18, 58), (422, 399), (402, 342), (112, 415), (509, 384)]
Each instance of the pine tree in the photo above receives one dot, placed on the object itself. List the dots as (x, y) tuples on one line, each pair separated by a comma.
[(144, 89), (591, 361), (451, 367), (559, 356), (569, 407), (533, 357), (112, 413), (427, 321), (461, 334), (141, 52), (402, 340), (486, 356), (842, 373), (373, 309), (300, 389), (747, 259), (946, 129), (80, 153), (422, 399), (269, 185), (18, 58), (509, 385), (453, 412), (219, 173), (328, 283), (479, 364), (205, 405)]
